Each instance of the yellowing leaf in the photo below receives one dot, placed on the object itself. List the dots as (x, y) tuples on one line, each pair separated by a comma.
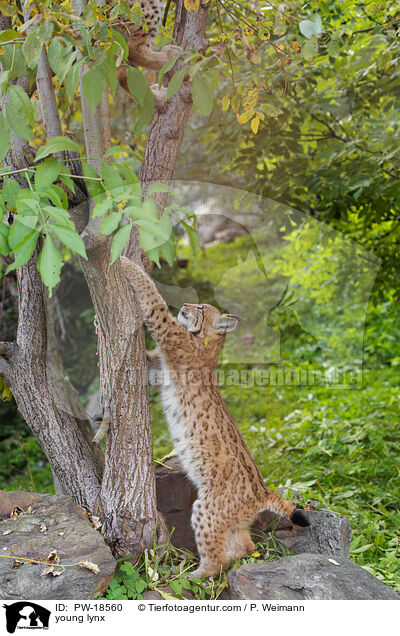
[(165, 595), (6, 394), (245, 117), (192, 5), (255, 122), (252, 55), (225, 102), (255, 554), (90, 566)]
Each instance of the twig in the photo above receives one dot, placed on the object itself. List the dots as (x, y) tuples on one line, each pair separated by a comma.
[(102, 432), (3, 298), (82, 564)]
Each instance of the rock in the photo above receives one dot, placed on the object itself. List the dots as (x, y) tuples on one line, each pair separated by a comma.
[(175, 496), (10, 499), (56, 523), (306, 577), (328, 533), (153, 595)]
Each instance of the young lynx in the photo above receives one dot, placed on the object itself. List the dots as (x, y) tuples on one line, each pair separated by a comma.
[(231, 491), (140, 43)]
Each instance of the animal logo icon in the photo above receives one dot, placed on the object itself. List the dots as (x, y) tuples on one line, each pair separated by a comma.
[(26, 615)]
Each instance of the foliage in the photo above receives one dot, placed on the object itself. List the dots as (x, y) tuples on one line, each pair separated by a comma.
[(89, 48), (309, 115), (23, 465), (327, 145), (167, 571)]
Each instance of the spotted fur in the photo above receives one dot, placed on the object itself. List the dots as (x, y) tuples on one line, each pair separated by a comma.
[(231, 491), (140, 40)]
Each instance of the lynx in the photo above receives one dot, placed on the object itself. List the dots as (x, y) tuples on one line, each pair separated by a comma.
[(231, 490), (140, 40)]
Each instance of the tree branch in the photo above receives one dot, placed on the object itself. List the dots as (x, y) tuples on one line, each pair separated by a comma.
[(168, 125)]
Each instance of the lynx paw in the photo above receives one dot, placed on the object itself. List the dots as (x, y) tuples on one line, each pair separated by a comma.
[(198, 574)]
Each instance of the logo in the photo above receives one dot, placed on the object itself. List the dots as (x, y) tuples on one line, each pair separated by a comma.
[(26, 615)]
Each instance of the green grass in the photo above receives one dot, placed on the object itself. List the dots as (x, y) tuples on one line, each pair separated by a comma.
[(339, 447)]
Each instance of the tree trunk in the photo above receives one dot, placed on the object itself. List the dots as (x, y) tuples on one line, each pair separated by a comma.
[(124, 493), (128, 486), (47, 412)]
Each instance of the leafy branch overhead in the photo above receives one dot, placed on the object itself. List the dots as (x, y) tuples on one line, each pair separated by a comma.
[(85, 53)]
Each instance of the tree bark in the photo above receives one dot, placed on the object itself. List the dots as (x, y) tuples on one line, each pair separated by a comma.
[(36, 379), (167, 128), (124, 495), (26, 370)]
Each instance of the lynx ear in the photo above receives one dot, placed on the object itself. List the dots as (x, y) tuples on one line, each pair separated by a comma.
[(226, 323)]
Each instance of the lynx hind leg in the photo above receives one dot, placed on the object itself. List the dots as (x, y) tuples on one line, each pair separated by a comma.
[(238, 542), (210, 533), (142, 54)]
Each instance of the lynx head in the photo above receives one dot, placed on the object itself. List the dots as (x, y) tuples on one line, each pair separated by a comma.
[(206, 321)]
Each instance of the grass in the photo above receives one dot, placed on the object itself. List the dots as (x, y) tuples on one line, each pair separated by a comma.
[(339, 447)]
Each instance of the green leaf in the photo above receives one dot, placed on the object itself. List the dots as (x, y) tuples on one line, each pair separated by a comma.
[(93, 86), (72, 80), (49, 264), (59, 215), (176, 82), (94, 183), (120, 239), (24, 250), (19, 112), (103, 205), (5, 137), (4, 245), (309, 50), (111, 223), (140, 585), (270, 110), (107, 68), (56, 144), (363, 548), (154, 255), (118, 37), (193, 238), (70, 238), (61, 57), (111, 178), (175, 586), (167, 67), (66, 179), (168, 250), (146, 113), (157, 187), (202, 96), (10, 191), (57, 196), (46, 173), (19, 232), (137, 84), (333, 48), (310, 28), (9, 34), (32, 48)]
